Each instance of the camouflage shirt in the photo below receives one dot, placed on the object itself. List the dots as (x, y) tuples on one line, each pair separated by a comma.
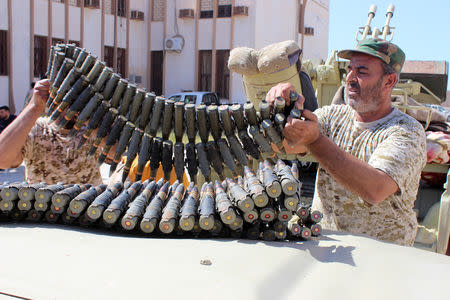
[(395, 145), (51, 156)]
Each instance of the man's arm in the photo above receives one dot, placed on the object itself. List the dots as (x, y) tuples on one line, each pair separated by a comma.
[(13, 138), (371, 184)]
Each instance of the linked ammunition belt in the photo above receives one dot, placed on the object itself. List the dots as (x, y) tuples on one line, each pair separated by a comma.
[(262, 205), (161, 131)]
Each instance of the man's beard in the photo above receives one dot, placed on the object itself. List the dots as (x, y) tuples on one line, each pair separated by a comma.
[(367, 100)]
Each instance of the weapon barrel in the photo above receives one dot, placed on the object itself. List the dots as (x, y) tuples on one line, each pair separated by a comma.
[(386, 27), (371, 15)]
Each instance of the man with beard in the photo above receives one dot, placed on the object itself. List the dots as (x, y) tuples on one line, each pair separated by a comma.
[(6, 117), (370, 154), (49, 154)]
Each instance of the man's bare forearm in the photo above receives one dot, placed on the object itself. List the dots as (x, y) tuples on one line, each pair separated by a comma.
[(13, 138), (369, 183)]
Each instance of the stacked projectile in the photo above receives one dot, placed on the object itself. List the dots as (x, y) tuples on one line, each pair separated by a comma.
[(161, 131), (258, 206)]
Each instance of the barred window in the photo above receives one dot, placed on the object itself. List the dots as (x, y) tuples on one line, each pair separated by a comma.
[(157, 71), (222, 73), (40, 56), (205, 70), (109, 59), (3, 52), (121, 8), (223, 11)]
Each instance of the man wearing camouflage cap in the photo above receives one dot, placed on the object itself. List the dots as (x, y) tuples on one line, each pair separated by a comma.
[(370, 154)]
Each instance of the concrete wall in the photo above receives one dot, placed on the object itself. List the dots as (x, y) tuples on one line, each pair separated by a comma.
[(268, 22)]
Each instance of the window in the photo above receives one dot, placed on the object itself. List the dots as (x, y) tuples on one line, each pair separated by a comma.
[(190, 99), (57, 41), (157, 72), (121, 8), (3, 52), (109, 59), (176, 98), (223, 73), (309, 31), (206, 14), (224, 11), (40, 56), (205, 70)]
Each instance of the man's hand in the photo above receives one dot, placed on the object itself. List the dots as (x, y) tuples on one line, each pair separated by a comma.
[(282, 90), (301, 132), (41, 93)]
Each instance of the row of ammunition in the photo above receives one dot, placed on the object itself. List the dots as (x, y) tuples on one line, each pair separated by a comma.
[(162, 131), (258, 205)]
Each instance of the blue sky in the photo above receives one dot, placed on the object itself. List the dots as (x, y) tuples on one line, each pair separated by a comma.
[(422, 28)]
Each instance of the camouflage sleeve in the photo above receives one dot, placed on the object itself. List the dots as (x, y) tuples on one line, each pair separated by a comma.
[(402, 155), (35, 132), (322, 116)]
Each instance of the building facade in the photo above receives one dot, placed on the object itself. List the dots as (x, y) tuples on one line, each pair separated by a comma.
[(165, 46)]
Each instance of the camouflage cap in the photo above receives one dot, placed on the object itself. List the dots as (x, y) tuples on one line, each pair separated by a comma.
[(384, 50)]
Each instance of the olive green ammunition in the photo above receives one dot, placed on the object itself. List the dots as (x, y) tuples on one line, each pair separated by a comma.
[(281, 235), (302, 211), (264, 110), (136, 105), (155, 156), (278, 106), (51, 217), (170, 213), (279, 225), (76, 107), (214, 122), (314, 216), (250, 147), (105, 129), (188, 211), (84, 199), (227, 157), (305, 233), (103, 78), (64, 69), (250, 216), (88, 110), (125, 132), (260, 139), (153, 211), (268, 233), (206, 208), (240, 181), (237, 150), (76, 52), (7, 206), (202, 123), (214, 158), (124, 138), (280, 122), (225, 118), (70, 79), (146, 110), (132, 151), (179, 120), (102, 201), (167, 119), (58, 210), (316, 229), (63, 197), (50, 61), (167, 160), (82, 55), (237, 224), (88, 63), (137, 207), (250, 114), (44, 195), (191, 161), (283, 213), (190, 122), (156, 115), (238, 117), (178, 160), (67, 218), (291, 202), (126, 99), (288, 183), (272, 133), (58, 60), (255, 188), (294, 228), (144, 154), (11, 191), (70, 49), (118, 92), (217, 229), (110, 86), (70, 97), (94, 122), (271, 183), (295, 113), (239, 196), (34, 215), (267, 214), (224, 206), (94, 73), (26, 196), (203, 162), (119, 204)]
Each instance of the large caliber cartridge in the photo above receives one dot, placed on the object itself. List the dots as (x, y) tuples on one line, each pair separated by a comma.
[(102, 201), (202, 123), (63, 197), (136, 106), (239, 196), (94, 122), (94, 73), (261, 140), (203, 162), (289, 184), (155, 156), (191, 162), (179, 120), (214, 158), (227, 157), (111, 140), (153, 211), (178, 160), (271, 183), (110, 86), (188, 210), (224, 206), (214, 122), (136, 208), (206, 208), (156, 115), (70, 79), (250, 216), (238, 117), (88, 110), (126, 99), (255, 188), (84, 199), (167, 119), (118, 92), (237, 150), (105, 129), (166, 160), (43, 196), (250, 114), (102, 79), (250, 147), (191, 131), (26, 196), (170, 213), (119, 204), (144, 154)]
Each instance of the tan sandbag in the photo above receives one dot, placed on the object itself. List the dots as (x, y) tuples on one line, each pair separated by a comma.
[(244, 61), (275, 57)]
